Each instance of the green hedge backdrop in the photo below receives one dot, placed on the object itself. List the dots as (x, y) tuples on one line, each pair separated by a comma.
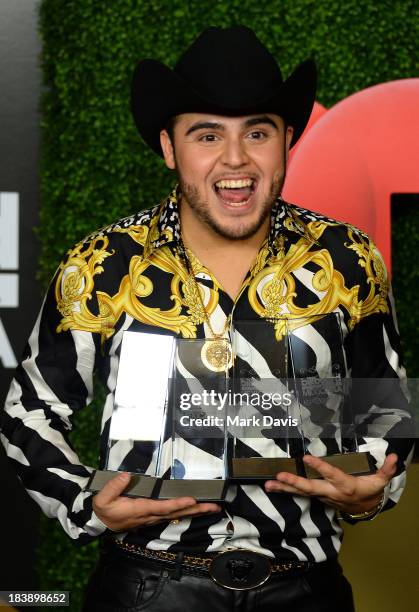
[(95, 168)]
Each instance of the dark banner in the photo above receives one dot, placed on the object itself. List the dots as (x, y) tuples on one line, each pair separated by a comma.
[(20, 297)]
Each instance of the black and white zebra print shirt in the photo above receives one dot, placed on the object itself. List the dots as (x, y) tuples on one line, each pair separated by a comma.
[(132, 276)]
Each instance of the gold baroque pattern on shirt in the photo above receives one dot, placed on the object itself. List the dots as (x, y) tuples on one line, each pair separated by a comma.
[(275, 298), (75, 282), (195, 303), (74, 287), (370, 259), (271, 292)]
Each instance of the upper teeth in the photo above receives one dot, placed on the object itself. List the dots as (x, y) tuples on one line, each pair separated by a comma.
[(230, 184)]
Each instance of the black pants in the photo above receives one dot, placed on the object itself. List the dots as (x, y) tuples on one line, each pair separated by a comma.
[(121, 583)]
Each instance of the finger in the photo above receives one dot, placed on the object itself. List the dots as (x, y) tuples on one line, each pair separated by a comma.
[(389, 467), (280, 487), (304, 485), (207, 507), (182, 514), (164, 507), (343, 482), (147, 521), (113, 489), (198, 510)]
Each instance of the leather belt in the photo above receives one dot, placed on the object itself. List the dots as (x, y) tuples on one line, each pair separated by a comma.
[(236, 569)]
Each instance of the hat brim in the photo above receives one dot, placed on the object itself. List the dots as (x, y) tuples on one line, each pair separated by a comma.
[(158, 93)]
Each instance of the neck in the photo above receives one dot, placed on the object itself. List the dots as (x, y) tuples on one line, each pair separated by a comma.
[(228, 260)]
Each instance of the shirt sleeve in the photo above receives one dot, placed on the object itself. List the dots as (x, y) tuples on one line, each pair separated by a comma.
[(383, 419), (53, 381)]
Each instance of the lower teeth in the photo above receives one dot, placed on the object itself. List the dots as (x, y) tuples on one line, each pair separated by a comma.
[(236, 204)]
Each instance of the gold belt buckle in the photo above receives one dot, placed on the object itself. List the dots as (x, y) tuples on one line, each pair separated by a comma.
[(240, 569)]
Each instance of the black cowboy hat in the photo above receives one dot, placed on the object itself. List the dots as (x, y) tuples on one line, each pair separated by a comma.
[(224, 72)]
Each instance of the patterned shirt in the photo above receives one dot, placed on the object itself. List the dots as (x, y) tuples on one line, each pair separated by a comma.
[(132, 276)]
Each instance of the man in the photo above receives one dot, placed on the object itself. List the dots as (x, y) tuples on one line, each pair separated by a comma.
[(222, 247)]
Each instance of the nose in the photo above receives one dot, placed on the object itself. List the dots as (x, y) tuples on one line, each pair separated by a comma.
[(234, 153)]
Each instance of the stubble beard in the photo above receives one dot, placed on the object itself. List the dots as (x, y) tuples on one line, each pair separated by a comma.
[(241, 231)]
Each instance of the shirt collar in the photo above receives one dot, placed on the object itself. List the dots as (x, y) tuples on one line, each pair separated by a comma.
[(165, 223), (285, 220)]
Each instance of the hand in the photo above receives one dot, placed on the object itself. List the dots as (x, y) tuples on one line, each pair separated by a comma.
[(121, 513), (350, 494)]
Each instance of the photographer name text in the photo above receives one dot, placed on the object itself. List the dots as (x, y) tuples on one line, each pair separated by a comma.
[(265, 420)]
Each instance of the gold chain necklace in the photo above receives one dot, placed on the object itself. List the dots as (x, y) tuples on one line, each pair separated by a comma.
[(216, 352)]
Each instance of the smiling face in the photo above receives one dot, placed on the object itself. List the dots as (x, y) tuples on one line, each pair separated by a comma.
[(230, 169)]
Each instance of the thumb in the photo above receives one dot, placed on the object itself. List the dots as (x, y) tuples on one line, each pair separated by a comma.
[(113, 489), (388, 469)]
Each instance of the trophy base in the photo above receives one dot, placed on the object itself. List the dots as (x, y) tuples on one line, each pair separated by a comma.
[(245, 470), (254, 469), (355, 464), (139, 485), (151, 487), (202, 490), (248, 469)]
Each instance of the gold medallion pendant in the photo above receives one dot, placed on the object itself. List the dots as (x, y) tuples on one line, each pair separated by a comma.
[(216, 354)]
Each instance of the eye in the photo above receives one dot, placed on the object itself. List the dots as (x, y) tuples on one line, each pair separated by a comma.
[(257, 135), (208, 138)]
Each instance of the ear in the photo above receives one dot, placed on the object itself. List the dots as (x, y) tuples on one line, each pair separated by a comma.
[(288, 137), (167, 148)]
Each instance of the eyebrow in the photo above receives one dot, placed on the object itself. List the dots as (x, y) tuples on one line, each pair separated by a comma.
[(213, 125), (207, 125), (262, 119)]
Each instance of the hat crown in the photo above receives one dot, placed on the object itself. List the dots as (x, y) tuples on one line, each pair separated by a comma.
[(224, 72), (232, 58)]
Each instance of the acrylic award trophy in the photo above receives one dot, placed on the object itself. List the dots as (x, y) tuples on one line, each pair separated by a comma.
[(137, 424), (156, 376), (291, 397), (260, 397), (199, 392)]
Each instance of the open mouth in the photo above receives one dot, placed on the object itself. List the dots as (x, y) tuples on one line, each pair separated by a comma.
[(235, 192)]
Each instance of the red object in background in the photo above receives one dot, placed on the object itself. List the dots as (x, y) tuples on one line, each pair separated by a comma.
[(356, 155), (317, 112)]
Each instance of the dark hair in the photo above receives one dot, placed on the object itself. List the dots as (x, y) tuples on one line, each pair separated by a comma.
[(170, 128)]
